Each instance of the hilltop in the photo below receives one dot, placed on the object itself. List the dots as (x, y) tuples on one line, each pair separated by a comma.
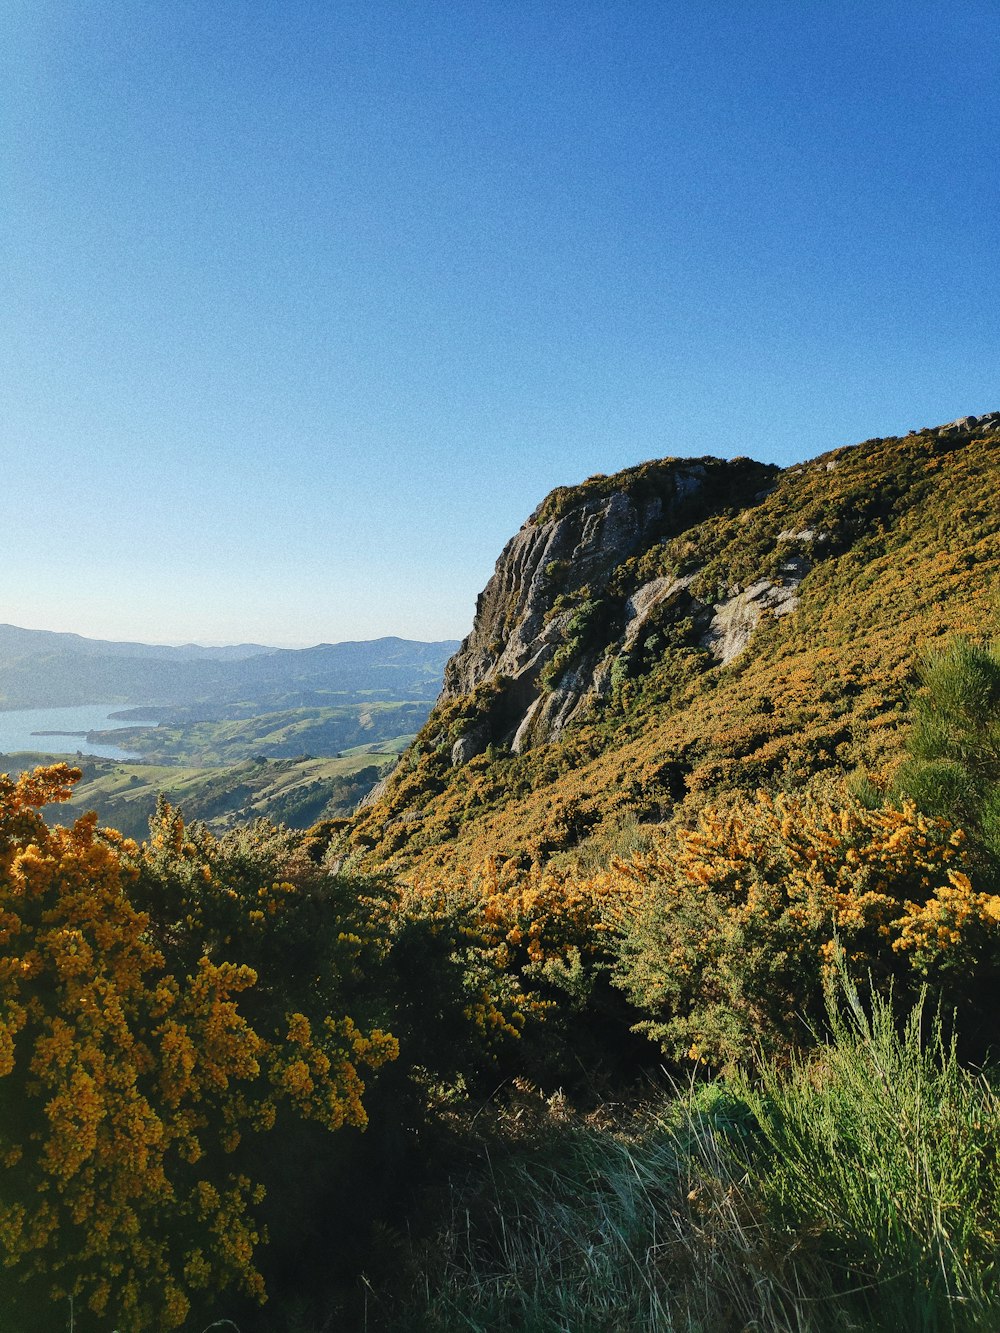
[(694, 626)]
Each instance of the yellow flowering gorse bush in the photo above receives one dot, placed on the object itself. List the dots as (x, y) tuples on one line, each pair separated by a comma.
[(730, 931), (128, 1076), (534, 927)]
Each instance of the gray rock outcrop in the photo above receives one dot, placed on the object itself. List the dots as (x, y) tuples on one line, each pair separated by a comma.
[(579, 603), (529, 637)]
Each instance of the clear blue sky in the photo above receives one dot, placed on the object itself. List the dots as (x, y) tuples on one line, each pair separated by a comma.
[(304, 305)]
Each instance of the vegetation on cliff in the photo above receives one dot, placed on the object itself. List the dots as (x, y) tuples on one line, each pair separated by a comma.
[(892, 546)]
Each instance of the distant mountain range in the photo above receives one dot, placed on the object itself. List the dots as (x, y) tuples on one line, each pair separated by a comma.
[(43, 669), (17, 644)]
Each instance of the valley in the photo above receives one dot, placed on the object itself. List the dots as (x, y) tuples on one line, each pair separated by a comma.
[(297, 792), (233, 734)]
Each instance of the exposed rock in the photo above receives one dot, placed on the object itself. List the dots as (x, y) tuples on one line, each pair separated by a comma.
[(377, 792), (644, 601), (511, 635), (551, 713), (990, 421), (527, 637), (737, 618), (522, 736), (469, 745)]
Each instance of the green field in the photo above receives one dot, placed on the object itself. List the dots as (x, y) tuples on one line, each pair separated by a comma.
[(296, 792), (282, 734)]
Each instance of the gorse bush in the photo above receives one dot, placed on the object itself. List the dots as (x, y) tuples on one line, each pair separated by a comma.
[(132, 1066), (537, 952), (728, 932), (311, 939), (184, 1020)]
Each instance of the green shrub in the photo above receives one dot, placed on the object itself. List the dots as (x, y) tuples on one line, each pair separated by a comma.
[(953, 768), (856, 1190)]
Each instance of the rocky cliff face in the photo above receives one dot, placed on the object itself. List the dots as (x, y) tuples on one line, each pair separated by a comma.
[(581, 598), (569, 596), (690, 627)]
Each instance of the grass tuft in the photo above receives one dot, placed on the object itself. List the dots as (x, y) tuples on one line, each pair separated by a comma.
[(857, 1189)]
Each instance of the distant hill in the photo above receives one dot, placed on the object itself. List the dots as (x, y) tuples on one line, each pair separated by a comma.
[(41, 669), (655, 638), (16, 644), (296, 792)]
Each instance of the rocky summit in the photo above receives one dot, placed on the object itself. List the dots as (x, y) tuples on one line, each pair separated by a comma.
[(531, 634), (695, 624)]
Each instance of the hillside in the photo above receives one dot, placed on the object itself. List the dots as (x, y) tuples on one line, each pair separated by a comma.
[(45, 670), (280, 735), (296, 792), (692, 626)]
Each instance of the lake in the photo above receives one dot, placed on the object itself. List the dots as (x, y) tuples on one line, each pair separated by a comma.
[(19, 728)]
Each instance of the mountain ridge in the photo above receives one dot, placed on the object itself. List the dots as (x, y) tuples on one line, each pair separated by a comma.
[(17, 642), (640, 646), (42, 668)]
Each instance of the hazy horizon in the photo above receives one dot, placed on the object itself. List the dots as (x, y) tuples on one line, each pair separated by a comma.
[(219, 643)]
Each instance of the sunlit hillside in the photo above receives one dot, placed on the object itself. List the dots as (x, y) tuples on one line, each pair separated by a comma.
[(844, 568)]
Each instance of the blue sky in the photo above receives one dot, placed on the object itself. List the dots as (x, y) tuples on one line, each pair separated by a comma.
[(304, 306)]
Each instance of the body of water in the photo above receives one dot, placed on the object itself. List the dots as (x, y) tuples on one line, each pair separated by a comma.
[(19, 730)]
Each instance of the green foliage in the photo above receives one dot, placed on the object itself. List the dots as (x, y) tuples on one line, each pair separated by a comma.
[(254, 894), (582, 1225), (880, 1154), (455, 1009), (953, 764), (581, 626)]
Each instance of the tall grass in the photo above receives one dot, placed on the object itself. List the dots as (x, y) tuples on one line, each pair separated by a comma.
[(880, 1157), (855, 1190)]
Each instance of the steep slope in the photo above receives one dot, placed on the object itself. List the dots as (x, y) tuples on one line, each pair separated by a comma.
[(690, 626), (545, 620)]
